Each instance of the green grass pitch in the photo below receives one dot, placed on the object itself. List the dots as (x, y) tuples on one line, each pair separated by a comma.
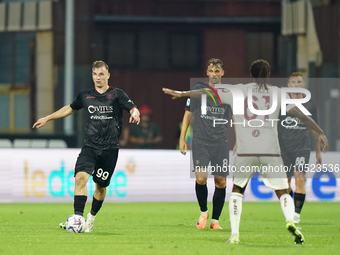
[(166, 228)]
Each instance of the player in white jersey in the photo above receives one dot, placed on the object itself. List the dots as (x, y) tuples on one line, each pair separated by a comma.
[(252, 128), (258, 147), (257, 136)]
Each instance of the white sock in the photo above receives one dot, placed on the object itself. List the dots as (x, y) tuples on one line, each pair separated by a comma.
[(204, 214), (287, 206), (214, 221), (235, 210)]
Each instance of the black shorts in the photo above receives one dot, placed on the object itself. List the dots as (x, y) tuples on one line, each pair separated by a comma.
[(98, 163), (218, 156), (296, 161)]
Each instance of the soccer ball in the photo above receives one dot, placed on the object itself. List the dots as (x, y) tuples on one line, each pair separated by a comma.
[(75, 224)]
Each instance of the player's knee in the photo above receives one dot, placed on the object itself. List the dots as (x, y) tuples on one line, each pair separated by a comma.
[(281, 192), (81, 179), (238, 189), (300, 182), (201, 181), (220, 183)]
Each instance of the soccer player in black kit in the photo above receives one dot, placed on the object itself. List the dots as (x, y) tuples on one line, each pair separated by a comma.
[(104, 107), (295, 145), (208, 145)]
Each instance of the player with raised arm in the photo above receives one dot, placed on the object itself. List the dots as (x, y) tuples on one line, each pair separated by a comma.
[(104, 107), (259, 146), (295, 145), (209, 145)]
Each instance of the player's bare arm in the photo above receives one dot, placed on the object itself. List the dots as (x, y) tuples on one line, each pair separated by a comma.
[(308, 121), (61, 113), (178, 93), (316, 141), (134, 118), (183, 146)]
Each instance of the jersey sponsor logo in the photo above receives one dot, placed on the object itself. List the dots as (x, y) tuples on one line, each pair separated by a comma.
[(96, 117), (188, 102), (216, 110), (289, 120), (213, 118), (100, 108)]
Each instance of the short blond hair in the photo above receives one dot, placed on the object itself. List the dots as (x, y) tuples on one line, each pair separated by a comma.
[(100, 63), (296, 74)]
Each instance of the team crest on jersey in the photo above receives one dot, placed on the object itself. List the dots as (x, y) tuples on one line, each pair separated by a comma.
[(256, 133), (225, 90), (109, 96)]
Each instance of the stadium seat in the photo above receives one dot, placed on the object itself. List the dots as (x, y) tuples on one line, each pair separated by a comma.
[(22, 143), (57, 144), (38, 143), (5, 143)]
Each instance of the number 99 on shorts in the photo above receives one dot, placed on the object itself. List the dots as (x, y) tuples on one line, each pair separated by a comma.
[(101, 174)]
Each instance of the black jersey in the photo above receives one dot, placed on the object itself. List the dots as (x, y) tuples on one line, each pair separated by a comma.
[(293, 138), (104, 113), (204, 131)]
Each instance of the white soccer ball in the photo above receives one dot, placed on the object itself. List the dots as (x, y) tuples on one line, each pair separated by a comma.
[(75, 224)]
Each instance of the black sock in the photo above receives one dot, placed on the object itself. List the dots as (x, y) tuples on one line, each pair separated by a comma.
[(79, 204), (96, 205), (202, 196), (299, 199), (291, 193), (218, 202)]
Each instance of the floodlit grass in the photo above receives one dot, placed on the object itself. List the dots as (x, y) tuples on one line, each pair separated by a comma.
[(166, 228)]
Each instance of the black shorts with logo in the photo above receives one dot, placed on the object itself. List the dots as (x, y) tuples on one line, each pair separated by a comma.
[(296, 161), (98, 163), (217, 155)]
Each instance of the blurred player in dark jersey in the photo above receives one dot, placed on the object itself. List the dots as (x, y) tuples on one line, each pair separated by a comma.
[(104, 107), (295, 144), (208, 145)]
